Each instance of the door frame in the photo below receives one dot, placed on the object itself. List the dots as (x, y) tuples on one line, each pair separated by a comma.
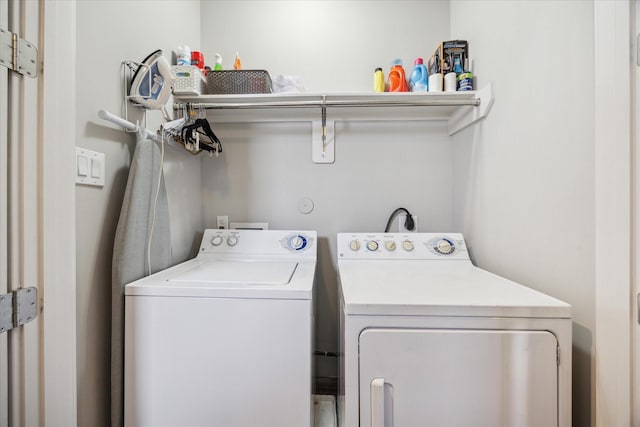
[(58, 316), (611, 387), (613, 222)]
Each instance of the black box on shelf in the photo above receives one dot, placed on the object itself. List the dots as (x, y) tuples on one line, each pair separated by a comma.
[(447, 56)]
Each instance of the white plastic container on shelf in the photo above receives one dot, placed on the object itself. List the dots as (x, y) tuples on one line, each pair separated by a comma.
[(187, 80)]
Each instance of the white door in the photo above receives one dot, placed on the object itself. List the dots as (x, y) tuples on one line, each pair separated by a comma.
[(438, 377), (37, 360)]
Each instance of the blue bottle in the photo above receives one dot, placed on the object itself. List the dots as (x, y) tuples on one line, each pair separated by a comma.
[(419, 81), (457, 67)]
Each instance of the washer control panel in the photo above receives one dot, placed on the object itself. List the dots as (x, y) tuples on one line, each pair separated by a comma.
[(401, 246), (258, 242)]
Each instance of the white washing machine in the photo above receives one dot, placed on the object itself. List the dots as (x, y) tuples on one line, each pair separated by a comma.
[(428, 339), (224, 339)]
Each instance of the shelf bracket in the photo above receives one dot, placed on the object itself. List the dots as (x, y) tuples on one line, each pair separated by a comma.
[(323, 137), (465, 117)]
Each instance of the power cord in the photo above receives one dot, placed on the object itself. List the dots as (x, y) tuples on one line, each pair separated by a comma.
[(155, 200), (408, 222)]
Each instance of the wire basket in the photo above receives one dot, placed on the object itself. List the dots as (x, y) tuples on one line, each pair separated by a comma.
[(238, 82)]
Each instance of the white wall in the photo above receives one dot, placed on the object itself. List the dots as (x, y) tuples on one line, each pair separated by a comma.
[(334, 46), (524, 191), (107, 34), (267, 168)]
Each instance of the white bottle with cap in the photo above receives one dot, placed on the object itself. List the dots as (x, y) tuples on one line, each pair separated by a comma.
[(183, 55)]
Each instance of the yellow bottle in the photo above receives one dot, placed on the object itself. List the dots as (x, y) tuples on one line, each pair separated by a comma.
[(378, 80)]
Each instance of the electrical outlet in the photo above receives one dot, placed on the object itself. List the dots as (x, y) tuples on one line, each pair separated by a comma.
[(401, 219), (223, 222)]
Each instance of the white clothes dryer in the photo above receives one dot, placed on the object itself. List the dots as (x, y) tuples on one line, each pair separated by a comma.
[(429, 339), (224, 339)]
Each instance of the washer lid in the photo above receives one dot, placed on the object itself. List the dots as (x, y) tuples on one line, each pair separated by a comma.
[(230, 278), (439, 288), (238, 272)]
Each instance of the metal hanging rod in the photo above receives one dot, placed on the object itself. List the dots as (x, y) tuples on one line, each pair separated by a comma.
[(323, 103)]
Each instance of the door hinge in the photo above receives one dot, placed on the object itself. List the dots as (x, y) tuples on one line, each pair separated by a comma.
[(17, 308), (558, 355), (18, 54)]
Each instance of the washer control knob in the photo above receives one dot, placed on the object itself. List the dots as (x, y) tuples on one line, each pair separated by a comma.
[(216, 241), (390, 245), (297, 242), (372, 245), (354, 245), (232, 240), (407, 245), (444, 247)]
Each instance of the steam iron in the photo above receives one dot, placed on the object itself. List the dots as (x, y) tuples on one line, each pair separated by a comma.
[(151, 83)]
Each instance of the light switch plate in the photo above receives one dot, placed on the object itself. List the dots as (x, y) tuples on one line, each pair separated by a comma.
[(90, 167)]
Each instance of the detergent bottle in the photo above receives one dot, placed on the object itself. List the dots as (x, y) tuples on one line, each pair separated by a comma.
[(397, 81), (378, 80), (419, 81)]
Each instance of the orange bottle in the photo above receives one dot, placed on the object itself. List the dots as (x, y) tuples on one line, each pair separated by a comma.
[(397, 80)]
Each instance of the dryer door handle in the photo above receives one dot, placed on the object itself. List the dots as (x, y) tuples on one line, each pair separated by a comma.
[(380, 416)]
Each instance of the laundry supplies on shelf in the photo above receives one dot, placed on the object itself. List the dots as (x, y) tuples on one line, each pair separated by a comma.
[(397, 80), (419, 81), (378, 80)]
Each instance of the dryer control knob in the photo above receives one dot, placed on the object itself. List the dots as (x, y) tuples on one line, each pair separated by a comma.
[(390, 245), (354, 245), (372, 245), (232, 240), (444, 247), (216, 241), (407, 245)]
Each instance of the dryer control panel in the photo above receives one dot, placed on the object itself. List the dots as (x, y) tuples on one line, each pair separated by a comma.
[(402, 246), (259, 242)]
